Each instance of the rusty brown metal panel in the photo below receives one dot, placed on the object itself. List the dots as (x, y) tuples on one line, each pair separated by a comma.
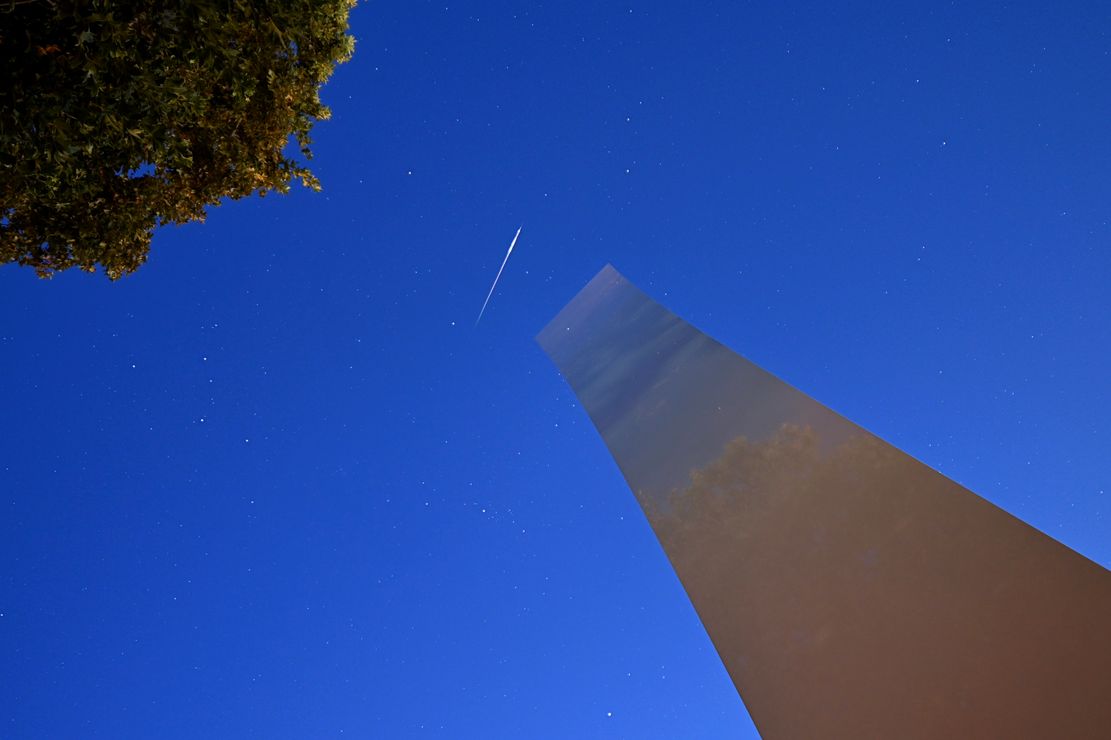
[(850, 590)]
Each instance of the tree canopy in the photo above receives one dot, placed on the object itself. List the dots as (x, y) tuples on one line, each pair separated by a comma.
[(117, 117)]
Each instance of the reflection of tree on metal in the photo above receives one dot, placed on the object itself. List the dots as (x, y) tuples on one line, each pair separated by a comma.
[(850, 590)]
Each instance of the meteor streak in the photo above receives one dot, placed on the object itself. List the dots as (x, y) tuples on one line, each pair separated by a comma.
[(484, 303)]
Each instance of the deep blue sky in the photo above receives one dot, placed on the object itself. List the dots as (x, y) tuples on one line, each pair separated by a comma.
[(277, 484)]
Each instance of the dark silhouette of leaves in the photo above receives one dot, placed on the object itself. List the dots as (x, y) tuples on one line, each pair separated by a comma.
[(119, 117)]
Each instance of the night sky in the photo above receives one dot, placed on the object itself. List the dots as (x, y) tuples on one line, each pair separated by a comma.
[(278, 484)]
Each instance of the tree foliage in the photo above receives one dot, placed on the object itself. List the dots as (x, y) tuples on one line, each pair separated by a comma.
[(116, 117)]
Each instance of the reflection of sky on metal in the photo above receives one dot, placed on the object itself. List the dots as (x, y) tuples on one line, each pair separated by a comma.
[(641, 370), (850, 590)]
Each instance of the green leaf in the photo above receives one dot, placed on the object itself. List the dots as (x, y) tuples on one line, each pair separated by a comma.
[(207, 94)]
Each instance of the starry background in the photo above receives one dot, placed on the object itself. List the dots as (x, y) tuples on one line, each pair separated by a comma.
[(277, 484)]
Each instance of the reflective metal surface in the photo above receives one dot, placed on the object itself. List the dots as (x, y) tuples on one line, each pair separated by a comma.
[(850, 590)]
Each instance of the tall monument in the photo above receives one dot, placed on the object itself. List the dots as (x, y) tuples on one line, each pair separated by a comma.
[(850, 590)]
